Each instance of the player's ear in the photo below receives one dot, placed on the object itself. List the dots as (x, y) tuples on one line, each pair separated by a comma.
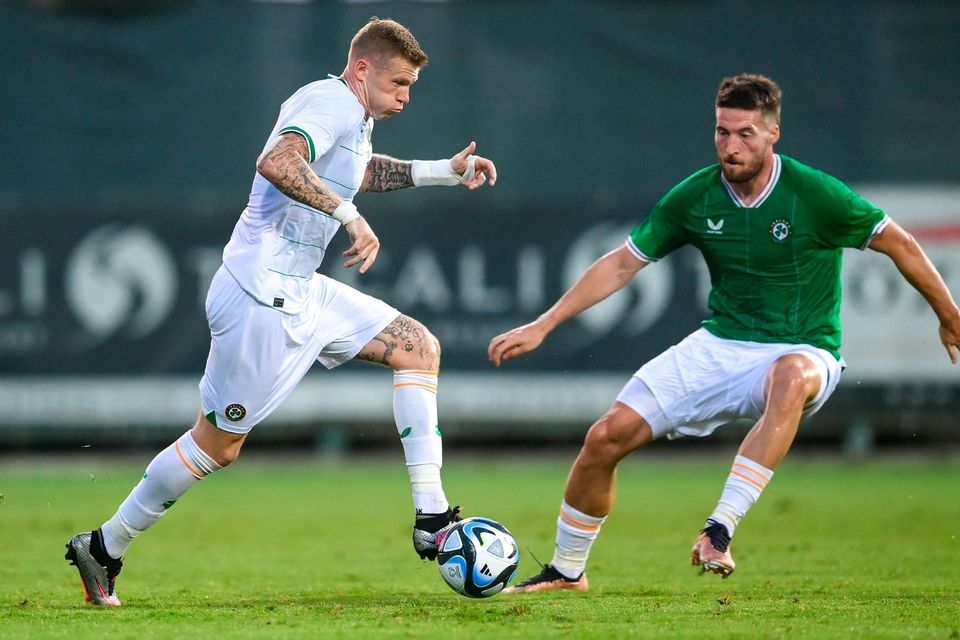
[(361, 67), (774, 133)]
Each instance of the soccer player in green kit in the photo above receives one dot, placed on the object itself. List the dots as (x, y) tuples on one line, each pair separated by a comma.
[(772, 231)]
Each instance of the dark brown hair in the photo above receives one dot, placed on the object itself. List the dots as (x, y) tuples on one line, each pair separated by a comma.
[(751, 92), (385, 38)]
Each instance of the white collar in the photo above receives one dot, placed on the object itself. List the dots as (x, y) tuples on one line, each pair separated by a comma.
[(767, 190)]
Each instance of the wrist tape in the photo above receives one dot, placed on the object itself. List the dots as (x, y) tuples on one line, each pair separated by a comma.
[(346, 212), (429, 173)]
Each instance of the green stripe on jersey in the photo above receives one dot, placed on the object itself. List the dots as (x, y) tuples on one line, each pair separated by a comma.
[(297, 205), (313, 149), (345, 186)]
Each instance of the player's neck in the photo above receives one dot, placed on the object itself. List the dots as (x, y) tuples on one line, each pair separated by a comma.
[(750, 190), (358, 89)]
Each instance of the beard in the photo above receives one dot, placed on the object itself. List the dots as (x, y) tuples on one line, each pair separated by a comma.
[(744, 172)]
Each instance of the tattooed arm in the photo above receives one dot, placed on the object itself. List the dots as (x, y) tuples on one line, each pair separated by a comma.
[(285, 166), (387, 174)]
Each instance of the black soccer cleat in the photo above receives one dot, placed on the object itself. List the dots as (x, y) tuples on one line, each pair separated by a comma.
[(98, 571), (427, 530), (549, 579)]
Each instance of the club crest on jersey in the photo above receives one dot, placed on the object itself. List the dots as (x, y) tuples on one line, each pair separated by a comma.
[(235, 412), (780, 230)]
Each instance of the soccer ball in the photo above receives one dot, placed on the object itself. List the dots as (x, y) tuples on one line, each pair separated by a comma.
[(478, 557)]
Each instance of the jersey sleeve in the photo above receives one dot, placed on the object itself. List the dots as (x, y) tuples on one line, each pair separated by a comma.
[(319, 121), (848, 220), (659, 233)]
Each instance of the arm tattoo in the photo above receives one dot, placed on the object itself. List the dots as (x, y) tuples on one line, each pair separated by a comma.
[(387, 174), (285, 166)]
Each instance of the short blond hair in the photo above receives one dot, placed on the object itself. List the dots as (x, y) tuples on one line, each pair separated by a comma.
[(385, 38)]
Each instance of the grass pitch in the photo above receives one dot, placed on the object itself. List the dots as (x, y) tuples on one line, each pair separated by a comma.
[(834, 549)]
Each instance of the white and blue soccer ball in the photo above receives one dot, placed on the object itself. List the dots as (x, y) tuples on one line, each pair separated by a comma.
[(478, 557)]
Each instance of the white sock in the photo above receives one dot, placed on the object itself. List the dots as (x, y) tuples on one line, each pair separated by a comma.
[(428, 494), (415, 412), (168, 476), (576, 532), (744, 485)]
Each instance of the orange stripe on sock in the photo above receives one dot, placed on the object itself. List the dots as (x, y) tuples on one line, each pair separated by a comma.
[(196, 473), (748, 479), (429, 387), (579, 524), (417, 371), (764, 476)]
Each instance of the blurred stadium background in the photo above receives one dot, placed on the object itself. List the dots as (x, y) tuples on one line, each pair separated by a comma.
[(129, 139)]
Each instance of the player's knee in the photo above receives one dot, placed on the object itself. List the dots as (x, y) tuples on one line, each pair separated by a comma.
[(608, 441), (429, 353), (223, 453), (227, 455), (434, 348), (223, 447), (793, 377)]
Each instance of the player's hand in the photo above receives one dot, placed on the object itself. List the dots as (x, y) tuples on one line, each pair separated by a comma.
[(515, 342), (950, 337), (484, 169), (365, 245)]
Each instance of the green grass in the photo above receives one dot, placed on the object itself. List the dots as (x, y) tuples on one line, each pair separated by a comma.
[(304, 550)]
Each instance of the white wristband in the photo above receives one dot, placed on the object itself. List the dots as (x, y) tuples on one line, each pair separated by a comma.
[(429, 173), (346, 212)]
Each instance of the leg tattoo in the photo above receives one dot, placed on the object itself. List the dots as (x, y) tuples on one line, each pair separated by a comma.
[(406, 335)]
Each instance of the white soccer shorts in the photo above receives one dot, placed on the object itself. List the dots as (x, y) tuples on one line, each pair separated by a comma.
[(705, 382), (258, 354)]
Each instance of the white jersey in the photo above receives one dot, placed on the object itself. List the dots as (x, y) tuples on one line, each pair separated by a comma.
[(278, 243)]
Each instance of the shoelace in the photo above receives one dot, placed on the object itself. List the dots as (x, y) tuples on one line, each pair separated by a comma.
[(536, 559), (718, 535)]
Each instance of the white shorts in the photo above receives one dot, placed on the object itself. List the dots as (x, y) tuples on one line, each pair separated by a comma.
[(705, 382), (259, 354)]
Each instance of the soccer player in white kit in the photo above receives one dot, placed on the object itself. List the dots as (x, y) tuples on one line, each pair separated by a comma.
[(772, 231), (272, 316)]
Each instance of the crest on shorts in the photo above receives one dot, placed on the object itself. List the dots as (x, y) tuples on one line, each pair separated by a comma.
[(780, 230), (235, 412)]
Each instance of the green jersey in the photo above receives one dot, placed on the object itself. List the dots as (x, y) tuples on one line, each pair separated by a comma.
[(774, 265)]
